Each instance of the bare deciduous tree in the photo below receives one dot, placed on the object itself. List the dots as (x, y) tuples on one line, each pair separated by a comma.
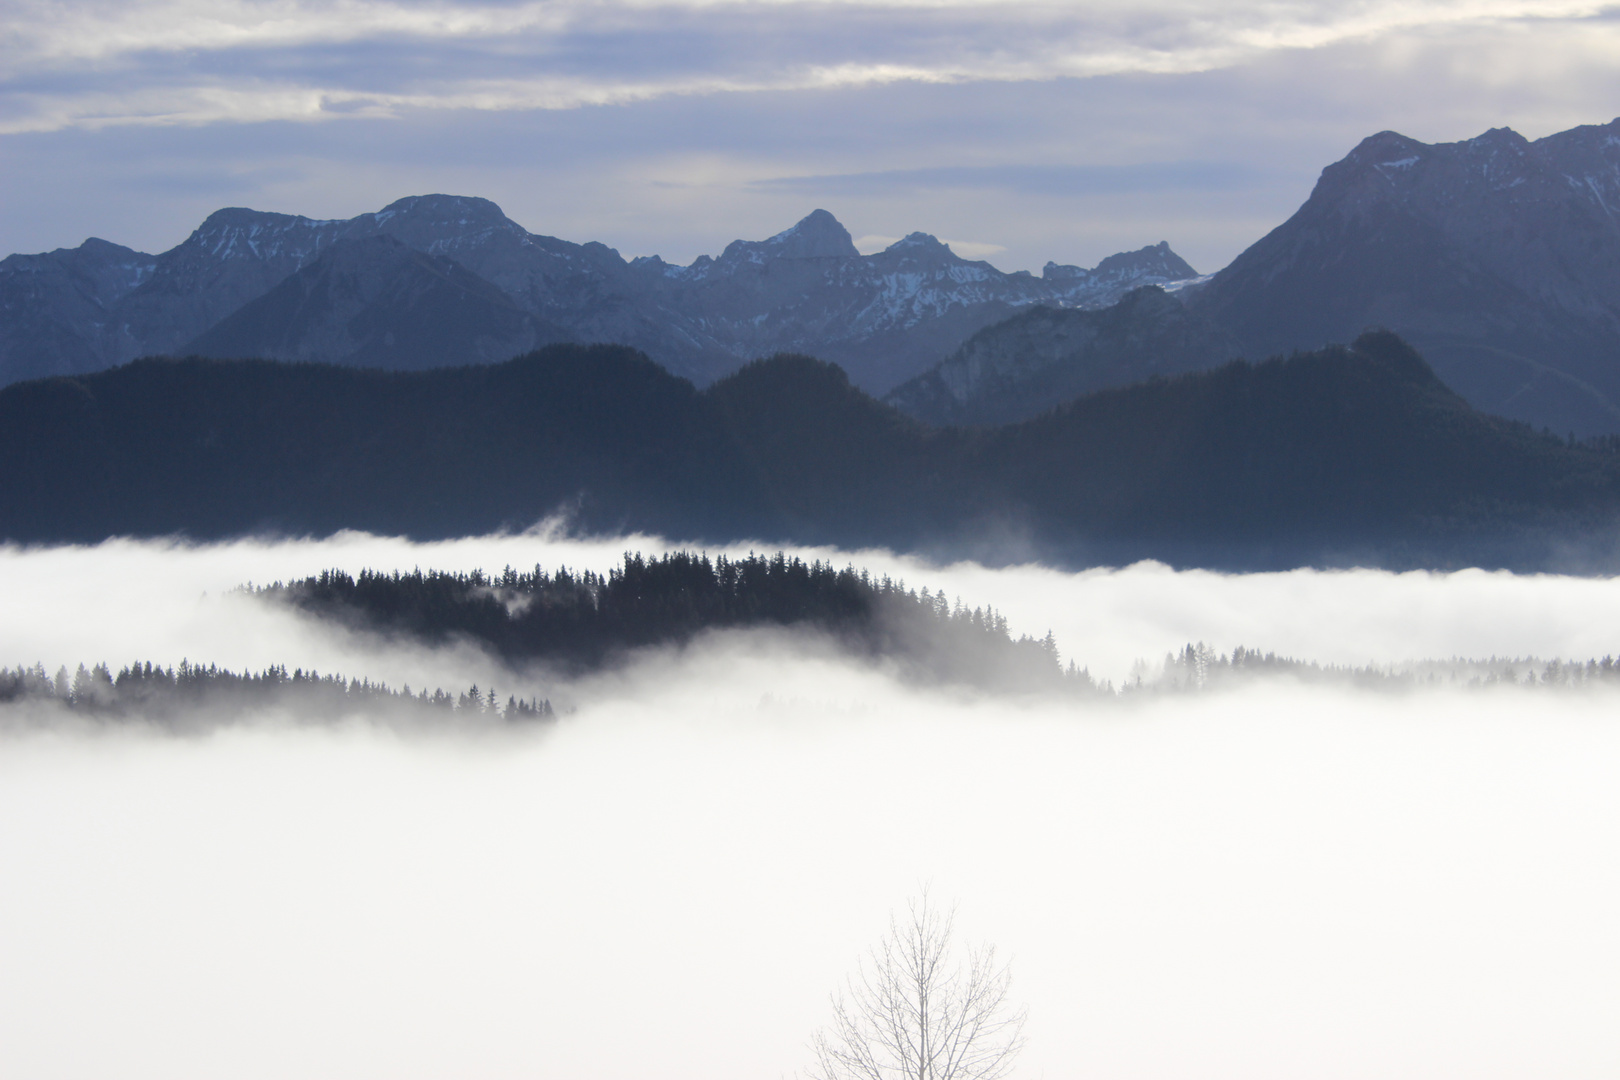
[(915, 1012)]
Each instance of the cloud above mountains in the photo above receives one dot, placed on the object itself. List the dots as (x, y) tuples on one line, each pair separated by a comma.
[(178, 61), (1061, 132)]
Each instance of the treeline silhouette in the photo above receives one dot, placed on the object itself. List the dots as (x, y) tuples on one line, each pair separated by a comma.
[(1199, 667), (152, 690), (1352, 455), (195, 696), (579, 621)]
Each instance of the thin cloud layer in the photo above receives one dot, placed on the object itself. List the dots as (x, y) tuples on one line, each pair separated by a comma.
[(176, 61)]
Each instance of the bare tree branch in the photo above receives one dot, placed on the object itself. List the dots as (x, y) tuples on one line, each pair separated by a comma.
[(913, 1012)]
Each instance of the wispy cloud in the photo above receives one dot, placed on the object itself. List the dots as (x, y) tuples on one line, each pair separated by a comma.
[(183, 61)]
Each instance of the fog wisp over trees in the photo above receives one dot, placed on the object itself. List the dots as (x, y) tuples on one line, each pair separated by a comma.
[(919, 1010), (211, 694)]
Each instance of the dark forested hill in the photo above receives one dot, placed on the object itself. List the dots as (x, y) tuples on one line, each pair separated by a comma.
[(212, 448), (576, 622), (1355, 454), (1347, 454)]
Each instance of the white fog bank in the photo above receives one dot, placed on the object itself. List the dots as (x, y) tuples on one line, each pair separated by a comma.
[(1264, 882), (126, 600), (668, 883)]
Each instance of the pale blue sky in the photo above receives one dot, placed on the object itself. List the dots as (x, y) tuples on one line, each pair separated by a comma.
[(1020, 131)]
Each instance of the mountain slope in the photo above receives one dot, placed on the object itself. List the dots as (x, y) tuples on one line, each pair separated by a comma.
[(1346, 455), (57, 309), (377, 303), (216, 448), (1043, 357), (883, 317), (1358, 453), (1498, 257)]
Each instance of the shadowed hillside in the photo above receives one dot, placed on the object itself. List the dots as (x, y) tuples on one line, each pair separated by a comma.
[(1497, 256), (1347, 454)]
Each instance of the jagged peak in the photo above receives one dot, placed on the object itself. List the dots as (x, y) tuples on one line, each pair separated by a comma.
[(818, 235), (1157, 259)]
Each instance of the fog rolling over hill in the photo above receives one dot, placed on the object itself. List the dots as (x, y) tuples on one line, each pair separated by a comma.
[(1346, 455), (229, 290), (705, 841), (1496, 256)]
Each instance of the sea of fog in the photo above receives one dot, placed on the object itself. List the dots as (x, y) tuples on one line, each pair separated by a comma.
[(1272, 881)]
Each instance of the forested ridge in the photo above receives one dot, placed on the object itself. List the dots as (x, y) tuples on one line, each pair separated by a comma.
[(579, 621), (196, 696), (1200, 668), (1347, 455), (145, 689)]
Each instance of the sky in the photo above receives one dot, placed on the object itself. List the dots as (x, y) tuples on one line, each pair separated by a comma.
[(1264, 882), (1018, 131)]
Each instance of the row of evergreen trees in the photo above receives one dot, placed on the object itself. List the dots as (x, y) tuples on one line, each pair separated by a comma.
[(149, 689), (154, 692), (579, 621), (1199, 667)]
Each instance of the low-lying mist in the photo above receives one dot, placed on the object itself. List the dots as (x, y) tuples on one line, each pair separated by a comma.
[(1265, 879)]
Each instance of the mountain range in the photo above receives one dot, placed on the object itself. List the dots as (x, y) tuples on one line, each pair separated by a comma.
[(1497, 257), (442, 279)]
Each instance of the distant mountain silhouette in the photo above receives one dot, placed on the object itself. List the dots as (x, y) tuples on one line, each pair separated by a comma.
[(58, 310), (1497, 256), (886, 316), (1344, 455), (377, 303), (1044, 357), (215, 448)]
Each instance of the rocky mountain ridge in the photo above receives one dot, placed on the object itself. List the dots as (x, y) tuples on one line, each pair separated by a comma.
[(1043, 357), (1497, 256), (885, 316)]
